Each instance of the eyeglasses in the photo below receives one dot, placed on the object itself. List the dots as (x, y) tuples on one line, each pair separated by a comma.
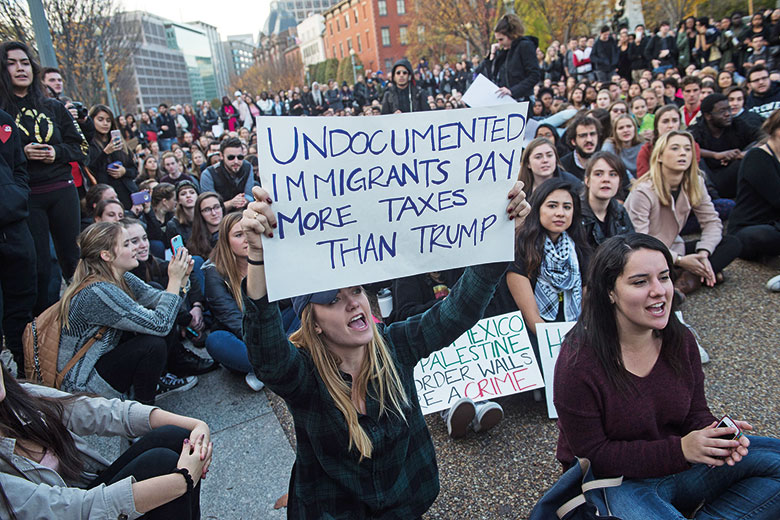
[(213, 209), (231, 157), (401, 72), (762, 78)]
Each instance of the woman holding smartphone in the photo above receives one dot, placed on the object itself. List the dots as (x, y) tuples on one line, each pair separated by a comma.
[(364, 450), (109, 158), (51, 141), (629, 391)]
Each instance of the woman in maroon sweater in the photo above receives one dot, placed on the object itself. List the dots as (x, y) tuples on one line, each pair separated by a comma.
[(629, 391)]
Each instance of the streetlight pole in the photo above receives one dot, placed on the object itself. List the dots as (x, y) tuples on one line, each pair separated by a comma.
[(354, 73), (468, 39), (42, 34), (109, 97)]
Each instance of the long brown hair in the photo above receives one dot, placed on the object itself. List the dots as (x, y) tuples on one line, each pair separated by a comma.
[(619, 146), (114, 126), (526, 175), (225, 260), (99, 237), (378, 368), (200, 239)]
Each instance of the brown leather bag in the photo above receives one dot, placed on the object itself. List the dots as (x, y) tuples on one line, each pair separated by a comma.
[(41, 342)]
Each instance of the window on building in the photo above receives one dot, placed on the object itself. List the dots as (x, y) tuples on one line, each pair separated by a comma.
[(389, 64), (355, 12), (349, 43), (360, 44), (346, 21), (403, 35), (421, 33), (368, 40), (382, 7), (400, 6), (330, 26), (334, 51), (386, 36), (341, 49)]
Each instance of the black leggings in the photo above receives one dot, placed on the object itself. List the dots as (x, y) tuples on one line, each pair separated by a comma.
[(138, 362), (728, 249), (153, 455), (17, 286), (759, 241), (56, 213)]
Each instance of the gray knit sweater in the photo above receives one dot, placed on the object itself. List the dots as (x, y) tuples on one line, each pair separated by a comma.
[(105, 304)]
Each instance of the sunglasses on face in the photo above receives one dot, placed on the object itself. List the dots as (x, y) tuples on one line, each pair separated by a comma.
[(231, 157)]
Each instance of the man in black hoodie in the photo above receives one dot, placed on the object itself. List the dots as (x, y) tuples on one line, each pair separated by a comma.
[(18, 287), (402, 95), (604, 56)]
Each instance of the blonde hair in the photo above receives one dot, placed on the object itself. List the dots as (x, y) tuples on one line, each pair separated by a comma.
[(378, 367), (225, 260), (99, 237), (690, 183), (619, 146)]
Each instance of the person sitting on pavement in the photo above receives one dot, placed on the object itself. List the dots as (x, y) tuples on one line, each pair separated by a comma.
[(625, 143), (545, 280), (416, 294), (723, 142), (349, 384), (189, 320), (181, 223), (48, 470), (764, 97), (110, 210), (223, 274), (603, 215), (539, 164), (232, 177), (583, 134), (666, 118), (131, 353), (755, 220), (629, 352), (660, 202), (174, 173), (736, 97)]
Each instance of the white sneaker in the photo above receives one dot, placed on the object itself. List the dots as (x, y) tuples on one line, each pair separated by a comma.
[(774, 284), (488, 415), (459, 417), (254, 383)]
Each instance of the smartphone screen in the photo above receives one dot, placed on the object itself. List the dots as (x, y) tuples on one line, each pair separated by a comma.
[(116, 135), (727, 422), (176, 244)]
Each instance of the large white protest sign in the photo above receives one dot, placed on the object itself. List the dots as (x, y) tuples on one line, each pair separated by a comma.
[(491, 360), (363, 199), (550, 336)]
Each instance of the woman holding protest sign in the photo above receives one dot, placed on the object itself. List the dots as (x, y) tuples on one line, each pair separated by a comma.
[(628, 352), (363, 447)]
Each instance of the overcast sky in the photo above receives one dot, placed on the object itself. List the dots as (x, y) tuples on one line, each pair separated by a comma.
[(228, 16)]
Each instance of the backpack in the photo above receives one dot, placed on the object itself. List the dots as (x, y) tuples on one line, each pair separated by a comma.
[(41, 341)]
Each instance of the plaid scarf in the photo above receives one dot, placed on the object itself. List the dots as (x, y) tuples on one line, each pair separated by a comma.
[(559, 273)]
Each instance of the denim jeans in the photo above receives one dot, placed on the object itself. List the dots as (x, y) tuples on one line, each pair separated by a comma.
[(229, 350), (165, 143), (749, 489)]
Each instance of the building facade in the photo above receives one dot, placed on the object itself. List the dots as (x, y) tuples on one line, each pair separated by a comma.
[(194, 46), (221, 74), (379, 31), (311, 39), (159, 73), (301, 9), (239, 54)]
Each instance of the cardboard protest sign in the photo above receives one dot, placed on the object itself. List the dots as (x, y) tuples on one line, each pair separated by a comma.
[(550, 336), (362, 199), (493, 359)]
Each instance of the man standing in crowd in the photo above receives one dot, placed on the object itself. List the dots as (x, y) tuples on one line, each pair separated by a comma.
[(166, 128), (604, 56), (232, 177), (402, 95), (18, 288), (640, 45), (661, 52), (207, 117), (764, 95), (690, 111), (582, 59), (723, 141), (584, 137)]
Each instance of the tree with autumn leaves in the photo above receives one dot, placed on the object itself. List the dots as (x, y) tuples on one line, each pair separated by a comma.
[(73, 25)]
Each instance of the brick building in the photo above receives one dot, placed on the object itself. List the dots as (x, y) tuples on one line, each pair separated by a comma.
[(378, 31)]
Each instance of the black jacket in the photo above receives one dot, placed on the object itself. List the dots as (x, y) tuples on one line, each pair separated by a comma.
[(98, 163), (14, 190), (618, 222), (408, 99), (207, 120), (766, 104), (604, 56), (516, 68), (53, 126), (220, 301), (657, 44)]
